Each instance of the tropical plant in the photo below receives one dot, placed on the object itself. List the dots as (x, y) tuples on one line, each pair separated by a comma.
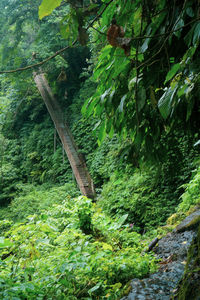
[(50, 254)]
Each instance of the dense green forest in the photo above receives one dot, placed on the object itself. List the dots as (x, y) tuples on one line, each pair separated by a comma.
[(123, 77)]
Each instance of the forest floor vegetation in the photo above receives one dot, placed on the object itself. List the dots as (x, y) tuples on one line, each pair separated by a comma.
[(68, 248)]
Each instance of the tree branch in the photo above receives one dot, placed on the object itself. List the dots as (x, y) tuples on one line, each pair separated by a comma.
[(40, 63), (59, 51), (91, 26)]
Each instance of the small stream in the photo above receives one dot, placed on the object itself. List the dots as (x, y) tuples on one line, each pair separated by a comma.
[(172, 250)]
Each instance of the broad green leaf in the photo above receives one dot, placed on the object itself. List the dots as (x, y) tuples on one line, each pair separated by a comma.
[(131, 83), (107, 50), (47, 6), (120, 66), (119, 222), (190, 12), (91, 106), (96, 287), (122, 219), (141, 97), (85, 105), (96, 125), (144, 46), (98, 110), (189, 53), (100, 69), (103, 96), (102, 131), (117, 286), (197, 143), (121, 105), (178, 28), (111, 133), (5, 242), (196, 35), (172, 72), (165, 102), (110, 65), (181, 90)]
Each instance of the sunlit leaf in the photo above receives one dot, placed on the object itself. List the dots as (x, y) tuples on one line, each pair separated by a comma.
[(121, 105), (144, 46), (90, 107), (178, 27), (197, 143), (107, 246), (165, 102), (172, 72), (47, 6), (102, 131), (122, 219), (103, 96), (84, 107), (111, 133), (132, 83), (5, 242), (96, 287)]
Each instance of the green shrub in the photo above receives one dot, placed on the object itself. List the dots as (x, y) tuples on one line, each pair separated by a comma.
[(9, 177), (49, 256), (32, 199), (191, 196), (138, 196)]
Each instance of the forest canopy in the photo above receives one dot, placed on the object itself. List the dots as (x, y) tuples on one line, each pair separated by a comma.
[(142, 95)]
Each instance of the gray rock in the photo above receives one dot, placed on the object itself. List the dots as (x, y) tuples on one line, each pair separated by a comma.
[(190, 222), (172, 250)]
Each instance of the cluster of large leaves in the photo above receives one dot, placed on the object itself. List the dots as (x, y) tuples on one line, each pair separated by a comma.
[(157, 78), (50, 256)]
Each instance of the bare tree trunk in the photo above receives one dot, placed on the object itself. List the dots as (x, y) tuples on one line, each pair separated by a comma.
[(76, 160)]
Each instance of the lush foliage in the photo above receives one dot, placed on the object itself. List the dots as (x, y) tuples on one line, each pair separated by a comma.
[(139, 134), (155, 88), (57, 255), (30, 199), (191, 196)]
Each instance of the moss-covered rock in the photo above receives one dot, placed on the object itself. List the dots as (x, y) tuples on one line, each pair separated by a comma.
[(190, 222), (189, 287), (175, 218)]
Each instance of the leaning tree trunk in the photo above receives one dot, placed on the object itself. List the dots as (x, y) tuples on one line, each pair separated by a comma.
[(76, 160)]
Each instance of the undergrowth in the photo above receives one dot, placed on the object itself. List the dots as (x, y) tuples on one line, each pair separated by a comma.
[(191, 196), (71, 250), (33, 198), (190, 199), (138, 194)]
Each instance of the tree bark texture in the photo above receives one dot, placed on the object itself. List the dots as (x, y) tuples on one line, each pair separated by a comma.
[(77, 162)]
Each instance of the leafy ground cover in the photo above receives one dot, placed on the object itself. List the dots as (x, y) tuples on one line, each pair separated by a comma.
[(190, 199), (32, 199), (70, 251)]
